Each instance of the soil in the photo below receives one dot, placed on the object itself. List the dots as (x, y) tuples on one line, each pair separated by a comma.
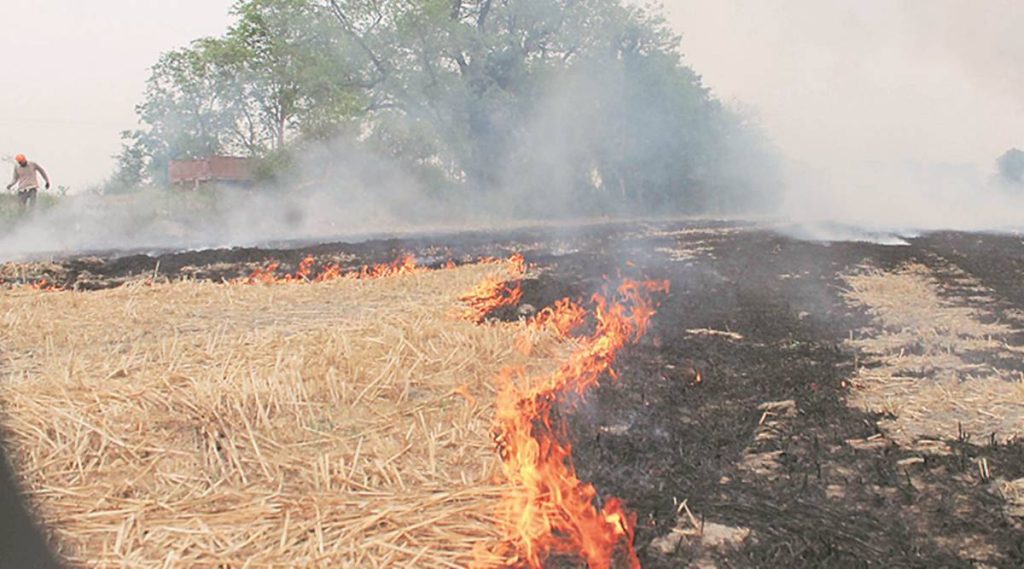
[(750, 428)]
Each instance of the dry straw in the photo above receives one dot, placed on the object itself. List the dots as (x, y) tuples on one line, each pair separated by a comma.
[(918, 360), (340, 424)]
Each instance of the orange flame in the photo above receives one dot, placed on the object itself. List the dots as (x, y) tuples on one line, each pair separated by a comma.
[(404, 266), (549, 511), (490, 295), (304, 271), (264, 275), (307, 271), (329, 273), (494, 291), (565, 316), (46, 285), (517, 264)]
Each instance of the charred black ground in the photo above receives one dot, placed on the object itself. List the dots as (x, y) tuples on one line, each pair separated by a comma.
[(659, 436)]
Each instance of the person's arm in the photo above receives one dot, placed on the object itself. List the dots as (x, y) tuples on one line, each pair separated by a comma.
[(45, 177), (14, 178)]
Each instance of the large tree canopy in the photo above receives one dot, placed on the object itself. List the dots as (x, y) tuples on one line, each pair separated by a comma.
[(1011, 166), (477, 96)]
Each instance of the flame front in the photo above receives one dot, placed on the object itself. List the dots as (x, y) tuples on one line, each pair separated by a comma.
[(46, 285), (264, 275), (307, 271), (490, 295), (565, 316), (403, 266), (495, 291), (548, 510)]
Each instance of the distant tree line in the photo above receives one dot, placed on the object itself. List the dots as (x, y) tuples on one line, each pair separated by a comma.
[(1010, 166), (464, 95)]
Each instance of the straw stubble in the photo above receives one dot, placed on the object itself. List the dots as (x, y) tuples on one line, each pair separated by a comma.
[(340, 424)]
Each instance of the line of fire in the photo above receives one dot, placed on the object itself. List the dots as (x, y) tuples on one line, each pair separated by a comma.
[(512, 284)]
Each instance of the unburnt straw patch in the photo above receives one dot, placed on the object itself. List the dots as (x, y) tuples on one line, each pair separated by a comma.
[(927, 363), (341, 424)]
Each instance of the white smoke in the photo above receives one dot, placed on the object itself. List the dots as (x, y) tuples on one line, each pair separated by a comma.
[(340, 193), (891, 114)]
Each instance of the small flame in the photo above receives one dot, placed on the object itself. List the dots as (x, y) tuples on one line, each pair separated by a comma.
[(329, 273), (464, 391), (264, 275), (304, 271), (517, 264), (565, 316), (488, 296), (495, 291), (403, 266), (307, 271), (46, 285)]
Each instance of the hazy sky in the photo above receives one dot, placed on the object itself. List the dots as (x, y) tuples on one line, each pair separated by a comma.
[(931, 81), (926, 81), (74, 71)]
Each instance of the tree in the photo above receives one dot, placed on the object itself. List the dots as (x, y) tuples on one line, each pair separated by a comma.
[(181, 110), (586, 102), (290, 72), (476, 73), (274, 76), (1011, 166)]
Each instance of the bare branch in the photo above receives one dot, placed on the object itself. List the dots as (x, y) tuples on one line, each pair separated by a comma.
[(485, 9), (346, 24)]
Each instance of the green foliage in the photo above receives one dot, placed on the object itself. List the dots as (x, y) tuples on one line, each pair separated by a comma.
[(11, 210), (273, 77), (586, 100), (268, 166)]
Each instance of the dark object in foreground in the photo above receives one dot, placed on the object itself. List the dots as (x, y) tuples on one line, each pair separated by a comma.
[(21, 543)]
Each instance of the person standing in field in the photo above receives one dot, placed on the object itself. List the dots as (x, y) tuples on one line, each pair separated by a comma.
[(27, 181)]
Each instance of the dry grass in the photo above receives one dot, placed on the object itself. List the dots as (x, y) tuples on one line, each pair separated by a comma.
[(1012, 492), (654, 231), (690, 243), (28, 272), (688, 252), (762, 456), (341, 424), (919, 370)]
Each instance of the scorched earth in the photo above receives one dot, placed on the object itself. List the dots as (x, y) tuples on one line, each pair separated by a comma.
[(706, 394)]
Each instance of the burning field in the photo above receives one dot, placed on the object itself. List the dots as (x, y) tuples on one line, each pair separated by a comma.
[(617, 396)]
